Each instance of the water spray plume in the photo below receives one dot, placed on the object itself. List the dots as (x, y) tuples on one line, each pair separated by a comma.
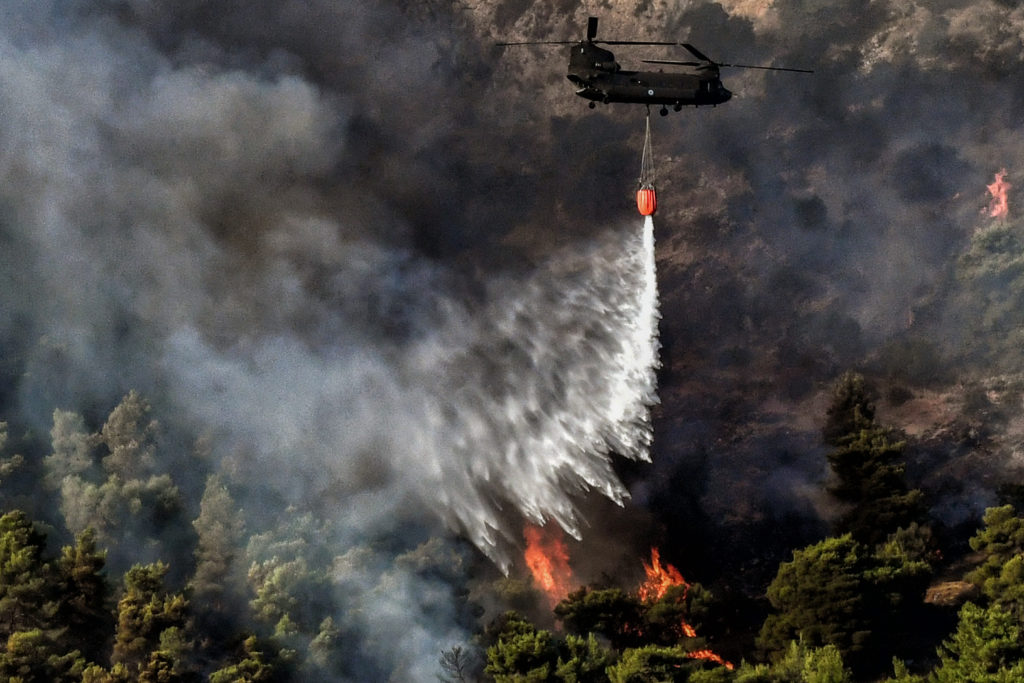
[(528, 400), (548, 559), (998, 206)]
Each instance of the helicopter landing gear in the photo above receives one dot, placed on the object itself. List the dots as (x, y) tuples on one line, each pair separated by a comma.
[(663, 111), (677, 107), (592, 105)]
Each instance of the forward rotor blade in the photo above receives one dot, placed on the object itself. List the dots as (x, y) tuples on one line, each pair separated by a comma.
[(634, 42), (768, 68), (578, 42), (539, 42)]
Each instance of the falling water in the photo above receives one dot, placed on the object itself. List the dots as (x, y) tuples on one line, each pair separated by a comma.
[(567, 378), (489, 413)]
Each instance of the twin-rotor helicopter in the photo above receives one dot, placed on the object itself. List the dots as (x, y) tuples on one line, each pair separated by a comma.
[(599, 78)]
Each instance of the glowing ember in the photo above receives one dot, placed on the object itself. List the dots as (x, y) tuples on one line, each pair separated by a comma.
[(548, 560), (998, 206), (659, 578)]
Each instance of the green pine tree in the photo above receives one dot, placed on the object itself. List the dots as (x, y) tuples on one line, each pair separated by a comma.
[(986, 648), (84, 608), (145, 611), (28, 586)]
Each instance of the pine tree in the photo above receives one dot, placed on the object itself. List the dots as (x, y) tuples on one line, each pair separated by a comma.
[(838, 592), (84, 610), (145, 611), (219, 528), (258, 664), (35, 656), (986, 648), (867, 467), (1001, 572), (652, 663), (850, 410), (72, 449), (584, 660), (522, 652), (128, 435), (27, 585), (609, 612), (869, 478)]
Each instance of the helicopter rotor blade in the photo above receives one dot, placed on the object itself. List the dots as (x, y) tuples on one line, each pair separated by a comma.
[(539, 42), (769, 68), (634, 42), (672, 61), (578, 42), (697, 53)]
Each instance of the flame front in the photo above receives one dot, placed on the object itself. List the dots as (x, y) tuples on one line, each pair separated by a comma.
[(999, 206), (548, 559)]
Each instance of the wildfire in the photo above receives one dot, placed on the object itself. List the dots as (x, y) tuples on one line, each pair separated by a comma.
[(659, 579), (711, 656), (548, 559), (998, 206)]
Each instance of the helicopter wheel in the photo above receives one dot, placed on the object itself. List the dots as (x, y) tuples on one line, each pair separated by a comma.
[(664, 111), (677, 107), (592, 105)]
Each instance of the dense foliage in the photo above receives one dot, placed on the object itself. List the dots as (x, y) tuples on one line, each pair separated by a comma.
[(850, 607), (249, 604)]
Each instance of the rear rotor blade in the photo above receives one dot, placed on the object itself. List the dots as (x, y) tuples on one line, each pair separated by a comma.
[(697, 53)]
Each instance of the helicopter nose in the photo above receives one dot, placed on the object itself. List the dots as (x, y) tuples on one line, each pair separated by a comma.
[(726, 95)]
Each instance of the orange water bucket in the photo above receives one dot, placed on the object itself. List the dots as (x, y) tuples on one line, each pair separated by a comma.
[(646, 201)]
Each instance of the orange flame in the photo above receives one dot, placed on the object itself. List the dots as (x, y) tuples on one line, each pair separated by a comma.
[(999, 206), (659, 578), (548, 559), (710, 655)]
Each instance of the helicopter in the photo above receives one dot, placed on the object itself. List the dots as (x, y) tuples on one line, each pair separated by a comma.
[(599, 78)]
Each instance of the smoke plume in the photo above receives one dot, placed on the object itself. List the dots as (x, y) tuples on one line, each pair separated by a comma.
[(263, 233)]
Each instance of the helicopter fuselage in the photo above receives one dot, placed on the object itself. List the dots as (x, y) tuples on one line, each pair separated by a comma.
[(599, 78)]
